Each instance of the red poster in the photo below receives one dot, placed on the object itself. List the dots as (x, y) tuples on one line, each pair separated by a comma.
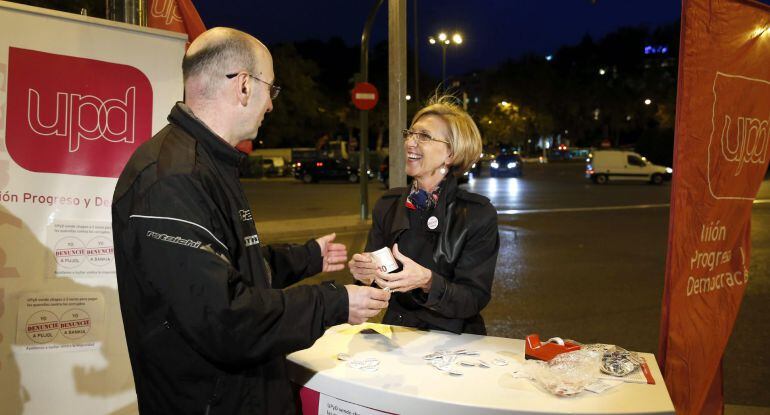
[(175, 15), (721, 156), (74, 115)]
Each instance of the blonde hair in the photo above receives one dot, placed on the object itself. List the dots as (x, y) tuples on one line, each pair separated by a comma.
[(464, 136)]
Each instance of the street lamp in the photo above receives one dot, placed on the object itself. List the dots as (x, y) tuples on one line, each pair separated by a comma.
[(443, 40)]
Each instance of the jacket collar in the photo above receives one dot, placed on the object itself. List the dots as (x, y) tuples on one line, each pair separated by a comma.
[(182, 116), (447, 196)]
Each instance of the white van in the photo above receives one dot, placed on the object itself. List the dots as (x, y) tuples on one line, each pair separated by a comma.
[(604, 165)]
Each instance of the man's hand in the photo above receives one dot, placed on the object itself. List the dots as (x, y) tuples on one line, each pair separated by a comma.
[(412, 276), (363, 267), (334, 254), (365, 302)]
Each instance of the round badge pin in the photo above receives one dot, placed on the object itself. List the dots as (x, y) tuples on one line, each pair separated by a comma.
[(432, 222)]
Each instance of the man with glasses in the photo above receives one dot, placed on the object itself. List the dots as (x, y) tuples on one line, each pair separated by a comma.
[(207, 315)]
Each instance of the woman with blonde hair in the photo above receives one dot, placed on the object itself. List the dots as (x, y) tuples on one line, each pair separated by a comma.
[(444, 237)]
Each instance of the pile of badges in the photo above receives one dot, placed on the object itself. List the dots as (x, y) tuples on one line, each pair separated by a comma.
[(444, 360), (619, 362), (369, 364)]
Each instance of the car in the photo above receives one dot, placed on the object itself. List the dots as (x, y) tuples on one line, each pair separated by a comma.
[(313, 171), (616, 165), (506, 165), (274, 166), (268, 168)]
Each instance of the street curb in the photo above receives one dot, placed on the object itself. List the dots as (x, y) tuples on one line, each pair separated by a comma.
[(310, 227)]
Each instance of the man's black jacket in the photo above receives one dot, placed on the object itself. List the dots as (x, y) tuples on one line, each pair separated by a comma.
[(207, 322)]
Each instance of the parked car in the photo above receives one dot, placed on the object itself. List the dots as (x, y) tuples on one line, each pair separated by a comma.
[(384, 174), (313, 171), (274, 166), (268, 168), (506, 165), (611, 165)]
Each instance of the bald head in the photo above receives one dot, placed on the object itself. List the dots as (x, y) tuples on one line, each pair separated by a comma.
[(215, 53), (232, 107)]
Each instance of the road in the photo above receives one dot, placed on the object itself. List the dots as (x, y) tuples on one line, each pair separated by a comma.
[(577, 260)]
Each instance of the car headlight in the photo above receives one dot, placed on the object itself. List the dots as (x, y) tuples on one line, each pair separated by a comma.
[(669, 170), (494, 165), (511, 164)]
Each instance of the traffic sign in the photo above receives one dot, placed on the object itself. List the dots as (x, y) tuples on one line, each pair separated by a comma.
[(364, 96)]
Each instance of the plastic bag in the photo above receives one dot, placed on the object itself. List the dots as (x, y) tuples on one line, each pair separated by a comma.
[(567, 374)]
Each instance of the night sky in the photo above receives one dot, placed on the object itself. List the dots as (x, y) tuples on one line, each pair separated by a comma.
[(493, 30)]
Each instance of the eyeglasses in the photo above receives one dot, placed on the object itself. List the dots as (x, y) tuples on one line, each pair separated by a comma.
[(421, 137), (274, 89)]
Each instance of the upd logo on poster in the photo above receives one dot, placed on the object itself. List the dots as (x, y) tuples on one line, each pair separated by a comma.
[(75, 115)]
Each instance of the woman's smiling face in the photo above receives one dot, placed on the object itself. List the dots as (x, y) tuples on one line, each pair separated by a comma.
[(424, 158)]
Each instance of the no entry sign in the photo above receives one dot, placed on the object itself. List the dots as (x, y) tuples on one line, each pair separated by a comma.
[(365, 96)]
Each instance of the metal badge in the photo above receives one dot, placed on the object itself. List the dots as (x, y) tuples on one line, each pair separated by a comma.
[(432, 222)]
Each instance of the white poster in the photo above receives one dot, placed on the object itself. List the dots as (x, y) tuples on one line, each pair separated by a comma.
[(77, 96)]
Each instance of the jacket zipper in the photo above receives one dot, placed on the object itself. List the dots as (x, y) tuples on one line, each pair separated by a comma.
[(157, 329), (215, 396)]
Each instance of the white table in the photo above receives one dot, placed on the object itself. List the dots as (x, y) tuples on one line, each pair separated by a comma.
[(406, 384)]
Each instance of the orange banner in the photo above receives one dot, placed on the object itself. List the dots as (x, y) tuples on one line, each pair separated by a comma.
[(175, 15), (721, 156)]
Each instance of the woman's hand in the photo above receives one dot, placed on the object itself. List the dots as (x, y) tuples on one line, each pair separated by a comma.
[(363, 267), (333, 254), (412, 276)]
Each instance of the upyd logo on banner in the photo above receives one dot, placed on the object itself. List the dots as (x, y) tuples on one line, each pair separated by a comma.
[(177, 15), (720, 159), (166, 11), (64, 110), (738, 148)]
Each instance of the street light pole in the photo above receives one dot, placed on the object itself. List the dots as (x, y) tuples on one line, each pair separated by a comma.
[(363, 142), (397, 75), (443, 64)]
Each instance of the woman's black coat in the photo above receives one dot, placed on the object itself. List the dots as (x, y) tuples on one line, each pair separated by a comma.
[(464, 253)]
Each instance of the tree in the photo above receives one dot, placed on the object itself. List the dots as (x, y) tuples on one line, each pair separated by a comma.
[(588, 92), (300, 114)]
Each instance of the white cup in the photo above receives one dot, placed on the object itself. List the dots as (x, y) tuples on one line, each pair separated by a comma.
[(384, 260)]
